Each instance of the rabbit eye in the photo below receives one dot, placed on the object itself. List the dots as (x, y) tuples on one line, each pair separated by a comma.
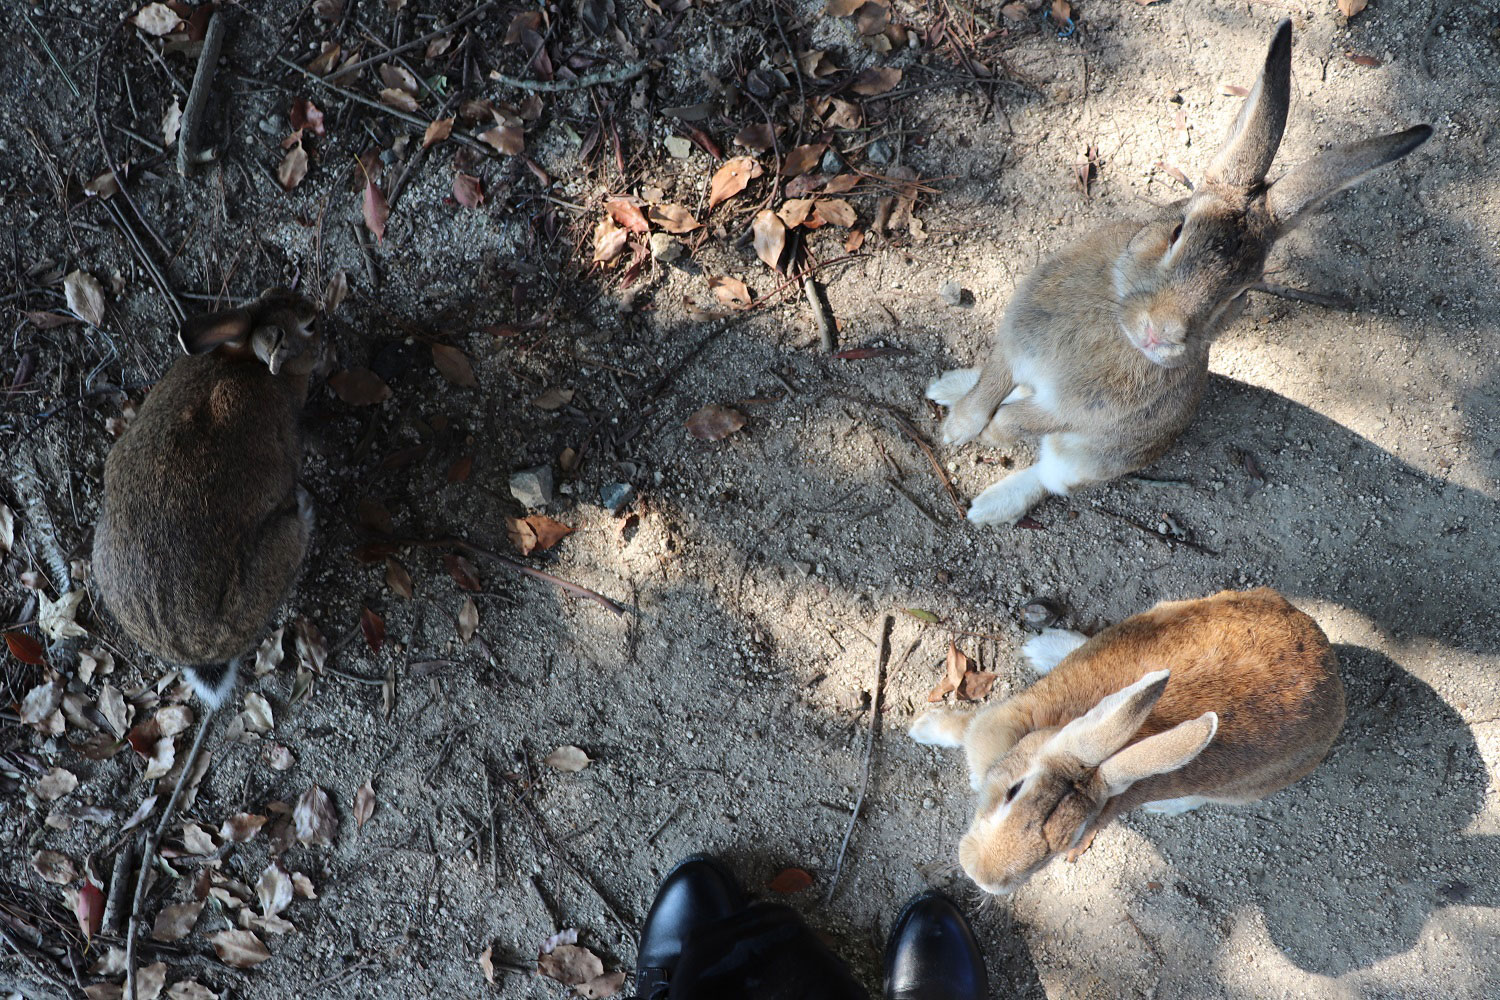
[(1176, 232), (1013, 791)]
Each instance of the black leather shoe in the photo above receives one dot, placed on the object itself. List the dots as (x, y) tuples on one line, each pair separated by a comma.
[(932, 954), (697, 892)]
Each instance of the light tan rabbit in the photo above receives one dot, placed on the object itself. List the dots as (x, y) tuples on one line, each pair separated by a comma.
[(1103, 350), (1222, 699), (203, 527)]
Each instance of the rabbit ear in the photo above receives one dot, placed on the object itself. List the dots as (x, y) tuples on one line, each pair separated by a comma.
[(1158, 754), (1252, 141), (1109, 725), (201, 334), (1310, 183)]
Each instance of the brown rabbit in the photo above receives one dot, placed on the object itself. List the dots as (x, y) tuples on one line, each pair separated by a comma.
[(1103, 351), (1222, 699), (203, 527)]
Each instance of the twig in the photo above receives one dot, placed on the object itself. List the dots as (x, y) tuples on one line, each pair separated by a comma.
[(366, 255), (556, 581), (828, 331), (417, 42), (47, 48), (910, 431), (955, 630), (663, 824), (148, 853), (617, 75), (882, 654), (912, 500), (1164, 539), (357, 678), (37, 970), (119, 879), (188, 153), (1298, 295)]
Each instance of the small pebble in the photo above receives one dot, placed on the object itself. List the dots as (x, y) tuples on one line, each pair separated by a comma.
[(1038, 615), (951, 293), (533, 487), (664, 248), (614, 496)]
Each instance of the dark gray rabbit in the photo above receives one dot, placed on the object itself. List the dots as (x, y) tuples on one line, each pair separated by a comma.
[(203, 527)]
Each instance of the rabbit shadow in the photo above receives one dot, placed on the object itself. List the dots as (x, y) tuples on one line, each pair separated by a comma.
[(1393, 798)]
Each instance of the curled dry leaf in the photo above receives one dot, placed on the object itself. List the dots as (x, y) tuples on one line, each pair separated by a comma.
[(715, 422), (359, 387), (1351, 7), (274, 889), (770, 237), (609, 240), (268, 655), (398, 579), (302, 886), (803, 158), (306, 115), (627, 212), (508, 139), (293, 167), (730, 179), (837, 211), (85, 297), (876, 80), (468, 619), (376, 211), (314, 818), (468, 190), (439, 130), (462, 571), (163, 756), (535, 533), (241, 827), (54, 867), (373, 627), (730, 291), (364, 804), (171, 123), (337, 290), (570, 964), (41, 701), (257, 715), (759, 137), (790, 880), (240, 949), (567, 758), (312, 648), (279, 757), (157, 19), (453, 365), (673, 218), (89, 909), (177, 921), (56, 783), (59, 618)]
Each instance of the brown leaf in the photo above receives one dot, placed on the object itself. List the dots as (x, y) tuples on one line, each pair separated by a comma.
[(673, 218), (468, 619), (976, 684), (759, 137), (373, 627), (459, 471), (1351, 7), (305, 114), (770, 237), (54, 867), (462, 572), (1062, 11), (398, 579), (567, 758), (843, 8), (841, 184), (790, 880), (157, 19), (803, 158), (24, 648), (535, 533), (876, 80), (337, 290), (730, 291), (627, 212), (1018, 11), (240, 949), (1361, 60), (552, 398), (397, 77), (570, 964), (376, 210), (177, 921), (508, 139), (85, 297), (89, 909), (49, 320), (715, 422), (846, 114), (359, 387), (241, 827), (314, 818), (190, 989), (400, 99), (609, 240), (487, 963), (56, 783), (323, 63), (453, 365), (953, 675), (837, 211), (730, 179), (312, 648), (364, 804), (273, 890), (439, 130), (601, 987), (468, 191)]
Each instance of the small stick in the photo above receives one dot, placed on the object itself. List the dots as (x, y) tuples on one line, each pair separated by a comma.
[(617, 75), (366, 255), (912, 500), (1164, 539), (148, 854), (828, 331), (1298, 295), (118, 880), (910, 431), (417, 42), (882, 654), (559, 582), (47, 48), (188, 153)]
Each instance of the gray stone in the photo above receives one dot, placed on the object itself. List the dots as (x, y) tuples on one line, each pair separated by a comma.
[(664, 248), (533, 487), (951, 293), (614, 496)]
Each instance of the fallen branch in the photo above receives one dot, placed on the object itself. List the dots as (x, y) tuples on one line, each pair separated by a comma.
[(415, 43), (1298, 295), (910, 431), (1164, 539), (188, 153), (877, 694), (828, 331), (617, 75), (558, 582), (148, 853)]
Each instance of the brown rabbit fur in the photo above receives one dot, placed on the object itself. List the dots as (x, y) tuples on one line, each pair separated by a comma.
[(203, 527), (1223, 699), (1103, 350)]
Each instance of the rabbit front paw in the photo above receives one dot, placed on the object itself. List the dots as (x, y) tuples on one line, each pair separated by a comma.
[(941, 727), (948, 388), (1007, 501)]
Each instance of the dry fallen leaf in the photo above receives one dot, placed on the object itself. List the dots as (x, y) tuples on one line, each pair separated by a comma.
[(439, 130), (197, 840), (54, 867), (759, 137), (790, 880), (453, 365), (177, 921), (876, 80), (373, 627), (715, 422), (398, 579), (89, 909), (508, 139), (274, 889), (359, 387), (487, 963), (794, 211), (364, 804), (268, 655), (462, 571), (468, 619), (803, 158), (1359, 60), (730, 291), (552, 398), (837, 211), (41, 701), (673, 218), (770, 238), (58, 618), (535, 533), (570, 964), (397, 77), (85, 297), (190, 989), (257, 714), (56, 783), (171, 123), (567, 758), (312, 648), (314, 818), (468, 191), (1351, 7), (627, 212), (157, 19), (730, 179), (609, 240), (241, 827), (306, 115), (293, 167), (376, 211), (163, 756), (7, 529), (241, 949)]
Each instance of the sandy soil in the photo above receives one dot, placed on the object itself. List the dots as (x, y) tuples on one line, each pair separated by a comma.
[(730, 712)]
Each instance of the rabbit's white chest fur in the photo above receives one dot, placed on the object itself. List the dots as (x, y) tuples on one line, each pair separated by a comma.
[(1031, 384)]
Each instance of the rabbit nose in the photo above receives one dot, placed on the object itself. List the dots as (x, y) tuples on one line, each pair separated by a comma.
[(1152, 340)]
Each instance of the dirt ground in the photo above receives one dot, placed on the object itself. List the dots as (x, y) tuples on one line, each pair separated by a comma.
[(1348, 457)]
